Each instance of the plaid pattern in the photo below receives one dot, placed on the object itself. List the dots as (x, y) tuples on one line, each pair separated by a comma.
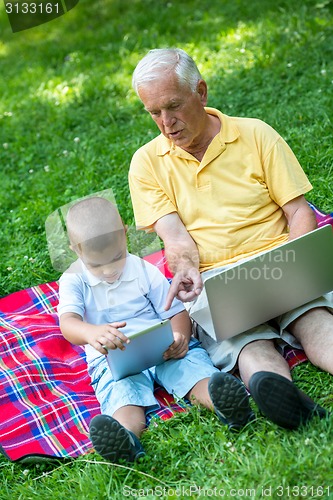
[(46, 399), (322, 217), (294, 357)]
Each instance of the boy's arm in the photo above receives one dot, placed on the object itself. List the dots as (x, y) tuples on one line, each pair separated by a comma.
[(182, 329), (78, 332)]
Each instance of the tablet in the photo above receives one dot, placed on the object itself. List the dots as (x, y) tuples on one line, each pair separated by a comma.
[(146, 349)]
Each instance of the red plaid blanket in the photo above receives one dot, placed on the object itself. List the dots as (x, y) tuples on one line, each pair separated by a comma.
[(46, 398)]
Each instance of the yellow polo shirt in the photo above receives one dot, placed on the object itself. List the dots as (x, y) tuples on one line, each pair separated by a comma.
[(230, 202)]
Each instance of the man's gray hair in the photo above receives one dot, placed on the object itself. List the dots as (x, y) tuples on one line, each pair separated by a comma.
[(159, 61)]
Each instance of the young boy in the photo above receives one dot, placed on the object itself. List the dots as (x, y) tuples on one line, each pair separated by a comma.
[(105, 297)]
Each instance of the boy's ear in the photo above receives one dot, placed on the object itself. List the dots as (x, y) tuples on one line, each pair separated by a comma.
[(126, 228), (75, 248)]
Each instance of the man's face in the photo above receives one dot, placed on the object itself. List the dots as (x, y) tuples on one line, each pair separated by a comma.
[(177, 110)]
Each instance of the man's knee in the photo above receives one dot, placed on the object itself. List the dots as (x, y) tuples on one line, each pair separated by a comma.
[(311, 318), (257, 347)]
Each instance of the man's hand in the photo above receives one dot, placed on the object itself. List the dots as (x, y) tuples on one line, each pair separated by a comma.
[(178, 348), (183, 259), (104, 337), (186, 286)]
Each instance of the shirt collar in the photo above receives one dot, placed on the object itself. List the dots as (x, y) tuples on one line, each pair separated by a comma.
[(130, 272), (228, 133)]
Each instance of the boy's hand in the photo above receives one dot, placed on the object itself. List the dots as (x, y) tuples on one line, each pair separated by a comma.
[(104, 337), (178, 348)]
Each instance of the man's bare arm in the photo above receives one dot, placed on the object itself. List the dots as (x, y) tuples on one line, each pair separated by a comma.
[(180, 249), (183, 258), (301, 218)]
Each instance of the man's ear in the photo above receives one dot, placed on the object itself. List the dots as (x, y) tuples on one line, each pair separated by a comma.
[(202, 91)]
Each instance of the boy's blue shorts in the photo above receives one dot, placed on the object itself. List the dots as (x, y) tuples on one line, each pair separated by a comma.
[(177, 376)]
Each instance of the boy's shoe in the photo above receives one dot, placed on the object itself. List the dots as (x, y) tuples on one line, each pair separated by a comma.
[(230, 400), (112, 441), (281, 401)]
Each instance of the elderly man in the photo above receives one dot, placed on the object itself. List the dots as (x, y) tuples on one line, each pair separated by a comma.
[(217, 189)]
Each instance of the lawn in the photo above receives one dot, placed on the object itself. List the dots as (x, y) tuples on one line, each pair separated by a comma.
[(69, 124)]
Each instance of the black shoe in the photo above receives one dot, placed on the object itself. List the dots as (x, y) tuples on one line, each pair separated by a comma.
[(112, 441), (230, 400), (281, 401)]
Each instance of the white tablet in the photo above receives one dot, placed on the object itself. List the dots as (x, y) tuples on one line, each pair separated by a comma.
[(146, 349)]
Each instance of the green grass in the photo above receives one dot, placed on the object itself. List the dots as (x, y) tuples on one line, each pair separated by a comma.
[(189, 453), (72, 78)]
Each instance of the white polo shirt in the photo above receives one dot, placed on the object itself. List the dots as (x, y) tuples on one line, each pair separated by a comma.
[(138, 297)]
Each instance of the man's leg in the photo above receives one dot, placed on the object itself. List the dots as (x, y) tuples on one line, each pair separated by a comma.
[(226, 395), (261, 355), (267, 375), (314, 330)]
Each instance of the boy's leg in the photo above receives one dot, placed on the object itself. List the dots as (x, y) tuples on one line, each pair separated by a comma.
[(195, 378), (116, 437), (199, 394), (111, 437), (132, 418)]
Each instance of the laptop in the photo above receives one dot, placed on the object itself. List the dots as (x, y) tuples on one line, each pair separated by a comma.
[(145, 350), (256, 290)]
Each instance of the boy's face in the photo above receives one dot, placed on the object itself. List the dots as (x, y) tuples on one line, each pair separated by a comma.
[(106, 262)]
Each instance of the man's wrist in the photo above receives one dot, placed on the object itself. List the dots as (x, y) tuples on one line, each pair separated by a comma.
[(184, 264)]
